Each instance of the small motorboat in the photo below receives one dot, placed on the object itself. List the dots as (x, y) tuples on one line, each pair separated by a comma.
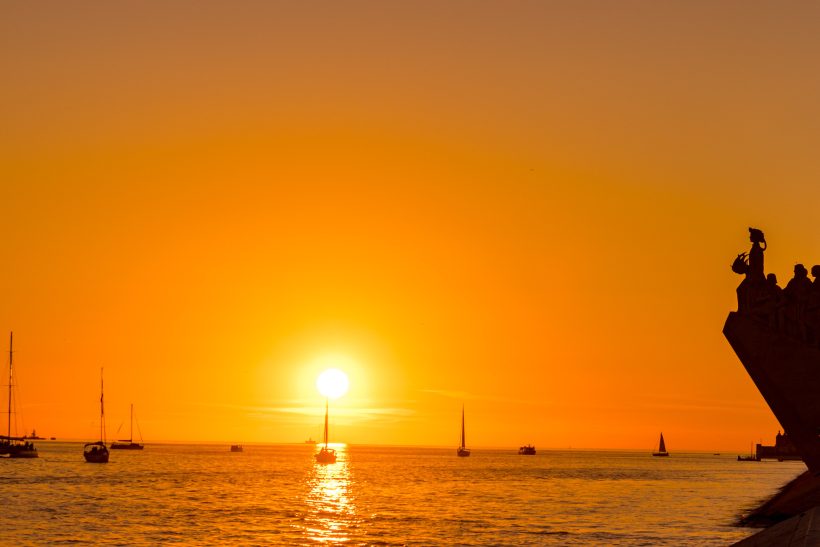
[(527, 450)]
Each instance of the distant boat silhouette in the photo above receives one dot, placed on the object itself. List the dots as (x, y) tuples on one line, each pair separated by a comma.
[(462, 451), (129, 444), (236, 448), (34, 436), (752, 457), (325, 454), (527, 450), (661, 448), (97, 452), (310, 441), (15, 447)]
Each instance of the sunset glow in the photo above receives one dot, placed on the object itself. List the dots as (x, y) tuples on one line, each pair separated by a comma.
[(529, 208), (332, 383)]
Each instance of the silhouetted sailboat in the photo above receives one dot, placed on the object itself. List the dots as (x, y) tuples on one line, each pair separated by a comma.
[(97, 452), (661, 448), (752, 457), (15, 447), (129, 444), (325, 454), (462, 451)]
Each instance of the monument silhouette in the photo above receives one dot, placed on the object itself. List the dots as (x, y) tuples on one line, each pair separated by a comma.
[(774, 334)]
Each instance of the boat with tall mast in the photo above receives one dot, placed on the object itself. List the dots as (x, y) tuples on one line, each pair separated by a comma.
[(14, 447), (325, 454), (97, 452), (129, 444), (661, 448), (462, 451)]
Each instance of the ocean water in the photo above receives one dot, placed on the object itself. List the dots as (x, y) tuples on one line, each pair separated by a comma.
[(275, 494)]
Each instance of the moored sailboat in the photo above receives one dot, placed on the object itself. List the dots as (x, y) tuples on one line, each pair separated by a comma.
[(97, 452), (14, 447), (129, 444), (462, 450), (325, 454), (661, 448)]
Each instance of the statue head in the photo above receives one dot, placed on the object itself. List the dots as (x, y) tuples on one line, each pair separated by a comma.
[(800, 271), (815, 270), (756, 236)]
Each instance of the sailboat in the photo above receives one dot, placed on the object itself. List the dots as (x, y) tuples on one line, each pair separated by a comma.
[(129, 444), (15, 447), (325, 454), (97, 452), (661, 448), (752, 457), (462, 451)]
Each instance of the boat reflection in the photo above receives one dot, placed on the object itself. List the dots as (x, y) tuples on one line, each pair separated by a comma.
[(331, 515)]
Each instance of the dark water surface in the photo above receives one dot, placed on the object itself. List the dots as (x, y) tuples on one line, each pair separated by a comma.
[(276, 494)]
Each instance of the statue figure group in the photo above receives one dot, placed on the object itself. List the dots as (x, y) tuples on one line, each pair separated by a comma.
[(794, 310)]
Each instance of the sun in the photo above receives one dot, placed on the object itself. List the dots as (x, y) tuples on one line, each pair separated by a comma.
[(332, 383)]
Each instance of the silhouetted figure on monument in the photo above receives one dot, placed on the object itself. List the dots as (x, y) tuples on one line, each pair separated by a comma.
[(752, 292), (756, 254), (775, 303), (797, 293), (813, 305)]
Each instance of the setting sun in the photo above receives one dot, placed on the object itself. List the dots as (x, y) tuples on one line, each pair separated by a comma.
[(332, 383)]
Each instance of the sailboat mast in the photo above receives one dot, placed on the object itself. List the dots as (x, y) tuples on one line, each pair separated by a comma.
[(102, 409), (11, 366), (131, 434), (463, 443), (327, 405)]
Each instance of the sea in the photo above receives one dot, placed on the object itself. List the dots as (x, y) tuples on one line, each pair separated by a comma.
[(203, 494)]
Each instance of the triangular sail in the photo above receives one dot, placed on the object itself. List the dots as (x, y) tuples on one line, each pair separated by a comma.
[(662, 446)]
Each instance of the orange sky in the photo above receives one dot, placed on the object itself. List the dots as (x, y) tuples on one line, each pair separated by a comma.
[(529, 208)]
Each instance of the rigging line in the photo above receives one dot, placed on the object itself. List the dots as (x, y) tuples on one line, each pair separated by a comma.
[(138, 428)]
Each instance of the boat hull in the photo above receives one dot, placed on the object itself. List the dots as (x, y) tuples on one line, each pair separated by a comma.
[(24, 453), (326, 455), (126, 446), (786, 371), (17, 448), (463, 452), (661, 454), (95, 453)]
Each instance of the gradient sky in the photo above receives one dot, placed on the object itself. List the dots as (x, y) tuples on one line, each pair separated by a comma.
[(526, 207)]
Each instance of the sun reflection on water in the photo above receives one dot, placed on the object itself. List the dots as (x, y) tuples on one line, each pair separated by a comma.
[(331, 515)]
